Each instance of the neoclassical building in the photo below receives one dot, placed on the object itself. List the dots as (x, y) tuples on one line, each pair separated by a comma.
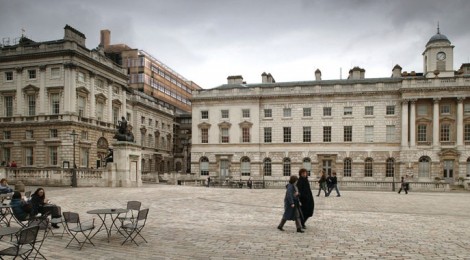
[(366, 129)]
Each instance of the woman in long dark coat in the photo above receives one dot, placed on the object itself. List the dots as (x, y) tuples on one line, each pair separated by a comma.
[(306, 197), (291, 205)]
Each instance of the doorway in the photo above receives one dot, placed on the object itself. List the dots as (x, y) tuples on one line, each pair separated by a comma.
[(326, 166), (223, 169), (448, 169)]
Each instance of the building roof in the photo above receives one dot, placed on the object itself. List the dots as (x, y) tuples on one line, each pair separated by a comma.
[(438, 37)]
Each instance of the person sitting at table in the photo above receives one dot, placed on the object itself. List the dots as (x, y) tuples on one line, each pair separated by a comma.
[(41, 205), (4, 188), (18, 206)]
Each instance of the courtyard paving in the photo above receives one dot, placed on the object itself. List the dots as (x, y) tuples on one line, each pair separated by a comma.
[(217, 223)]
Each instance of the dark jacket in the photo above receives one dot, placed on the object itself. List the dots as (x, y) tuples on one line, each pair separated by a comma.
[(37, 203), (306, 197), (334, 180), (18, 210), (289, 199), (329, 181)]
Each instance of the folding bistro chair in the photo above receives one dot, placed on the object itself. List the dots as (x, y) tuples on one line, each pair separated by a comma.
[(75, 227), (25, 244), (133, 207), (133, 229)]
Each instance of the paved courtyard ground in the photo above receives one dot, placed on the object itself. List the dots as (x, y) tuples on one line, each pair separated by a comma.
[(217, 223)]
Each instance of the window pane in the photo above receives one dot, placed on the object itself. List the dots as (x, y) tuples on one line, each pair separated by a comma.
[(327, 134), (307, 133), (347, 133), (287, 134), (267, 134), (307, 111), (287, 112)]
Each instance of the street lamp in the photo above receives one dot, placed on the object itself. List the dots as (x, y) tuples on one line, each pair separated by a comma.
[(74, 169)]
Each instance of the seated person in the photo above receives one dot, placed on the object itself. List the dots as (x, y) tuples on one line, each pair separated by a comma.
[(4, 188), (18, 206), (43, 206)]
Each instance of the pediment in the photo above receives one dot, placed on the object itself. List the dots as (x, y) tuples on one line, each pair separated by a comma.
[(100, 97), (30, 89), (224, 124), (83, 90), (449, 153), (204, 125), (245, 124)]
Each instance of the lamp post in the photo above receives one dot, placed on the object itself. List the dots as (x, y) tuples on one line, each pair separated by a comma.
[(74, 167)]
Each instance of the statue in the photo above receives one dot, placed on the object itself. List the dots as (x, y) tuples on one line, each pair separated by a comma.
[(124, 131)]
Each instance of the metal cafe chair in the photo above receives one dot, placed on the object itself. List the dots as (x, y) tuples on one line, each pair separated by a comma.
[(132, 207), (134, 229), (75, 227), (24, 245)]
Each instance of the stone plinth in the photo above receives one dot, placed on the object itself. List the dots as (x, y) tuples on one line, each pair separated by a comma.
[(126, 169)]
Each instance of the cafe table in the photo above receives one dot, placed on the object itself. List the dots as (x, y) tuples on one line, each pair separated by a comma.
[(103, 215)]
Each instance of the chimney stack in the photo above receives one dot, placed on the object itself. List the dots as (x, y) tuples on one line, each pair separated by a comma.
[(105, 39), (318, 74), (238, 79), (396, 71), (357, 73)]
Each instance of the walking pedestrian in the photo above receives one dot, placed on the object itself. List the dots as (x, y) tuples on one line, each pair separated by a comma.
[(334, 185), (404, 185), (291, 205), (322, 183), (329, 184), (208, 181), (307, 204)]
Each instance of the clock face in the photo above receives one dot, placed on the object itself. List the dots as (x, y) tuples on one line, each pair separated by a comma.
[(441, 56)]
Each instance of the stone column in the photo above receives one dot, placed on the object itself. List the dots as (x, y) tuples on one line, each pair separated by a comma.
[(42, 91), (435, 123), (19, 92), (70, 88), (404, 123), (460, 121), (413, 123)]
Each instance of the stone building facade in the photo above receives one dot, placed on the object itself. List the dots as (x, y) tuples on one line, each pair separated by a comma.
[(377, 129), (50, 89)]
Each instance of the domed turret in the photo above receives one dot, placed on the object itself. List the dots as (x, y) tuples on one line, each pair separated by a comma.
[(438, 37)]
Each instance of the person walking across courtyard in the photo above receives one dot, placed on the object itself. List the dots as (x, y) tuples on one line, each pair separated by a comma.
[(404, 185), (307, 203), (291, 205), (334, 185), (322, 183)]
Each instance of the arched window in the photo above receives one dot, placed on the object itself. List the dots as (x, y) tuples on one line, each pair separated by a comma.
[(390, 167), (267, 167), (307, 164), (468, 167), (424, 168), (204, 166), (347, 167), (286, 167), (368, 167), (245, 166)]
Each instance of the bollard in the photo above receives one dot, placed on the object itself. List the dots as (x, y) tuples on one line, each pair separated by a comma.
[(19, 186)]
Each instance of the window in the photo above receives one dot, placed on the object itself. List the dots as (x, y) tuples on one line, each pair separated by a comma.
[(268, 113), (84, 135), (267, 134), (204, 114), (347, 167), (422, 133), (422, 110), (99, 83), (466, 133), (245, 113), (369, 134), (204, 166), (287, 134), (7, 135), (99, 111), (390, 133), (224, 113), (81, 106), (466, 108), (307, 165), (55, 72), (81, 76), (53, 133), (150, 121), (9, 76), (307, 112), (29, 134), (390, 167), (224, 135), (286, 167), (29, 159), (116, 90), (84, 157), (115, 115), (267, 167), (327, 111), (6, 154), (347, 133), (424, 166), (32, 74), (445, 109), (390, 110), (348, 111), (369, 111), (55, 104), (287, 112), (53, 155), (31, 105), (245, 166), (445, 132), (307, 134), (204, 135), (245, 135), (8, 106), (368, 167), (327, 134)]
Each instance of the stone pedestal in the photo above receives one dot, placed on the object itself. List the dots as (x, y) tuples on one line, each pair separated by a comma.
[(126, 168)]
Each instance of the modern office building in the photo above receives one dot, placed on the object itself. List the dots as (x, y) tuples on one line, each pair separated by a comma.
[(365, 129)]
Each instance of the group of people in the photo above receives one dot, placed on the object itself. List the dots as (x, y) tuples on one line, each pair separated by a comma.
[(327, 184), (9, 164)]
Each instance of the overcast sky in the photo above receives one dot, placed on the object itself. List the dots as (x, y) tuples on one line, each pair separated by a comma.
[(208, 40)]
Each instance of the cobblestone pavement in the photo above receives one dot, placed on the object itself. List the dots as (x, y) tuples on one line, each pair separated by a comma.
[(216, 223)]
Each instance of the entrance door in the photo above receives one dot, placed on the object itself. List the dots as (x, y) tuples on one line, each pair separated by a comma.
[(327, 166), (448, 169), (223, 169)]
